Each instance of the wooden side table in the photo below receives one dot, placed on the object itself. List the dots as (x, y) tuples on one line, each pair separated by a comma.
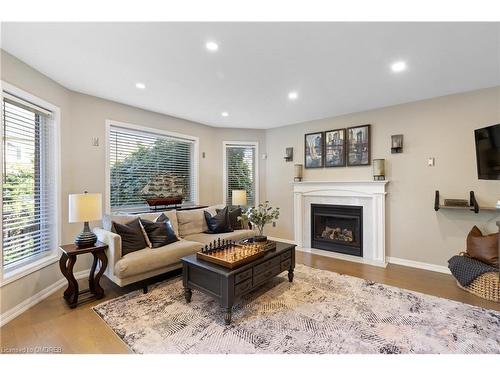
[(66, 264)]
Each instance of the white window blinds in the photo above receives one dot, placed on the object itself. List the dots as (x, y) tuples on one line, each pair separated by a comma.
[(240, 171), (29, 221), (145, 164)]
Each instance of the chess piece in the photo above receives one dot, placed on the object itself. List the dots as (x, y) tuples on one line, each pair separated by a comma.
[(218, 242)]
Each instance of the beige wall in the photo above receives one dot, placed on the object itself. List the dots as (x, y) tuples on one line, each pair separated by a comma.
[(83, 165), (441, 128)]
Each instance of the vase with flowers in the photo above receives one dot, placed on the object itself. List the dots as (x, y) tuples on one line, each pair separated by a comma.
[(259, 217)]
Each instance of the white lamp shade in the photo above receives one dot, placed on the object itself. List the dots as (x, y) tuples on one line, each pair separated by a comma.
[(239, 197), (85, 207)]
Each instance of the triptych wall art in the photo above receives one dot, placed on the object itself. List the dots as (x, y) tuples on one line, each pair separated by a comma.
[(338, 148)]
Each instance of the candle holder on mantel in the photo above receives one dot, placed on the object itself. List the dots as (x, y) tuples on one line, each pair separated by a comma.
[(379, 169), (297, 168)]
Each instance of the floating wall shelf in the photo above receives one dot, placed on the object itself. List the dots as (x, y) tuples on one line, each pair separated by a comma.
[(473, 205)]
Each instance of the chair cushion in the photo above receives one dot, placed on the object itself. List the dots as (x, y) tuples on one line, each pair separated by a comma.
[(218, 223), (131, 235), (151, 259), (483, 248), (206, 238), (160, 232)]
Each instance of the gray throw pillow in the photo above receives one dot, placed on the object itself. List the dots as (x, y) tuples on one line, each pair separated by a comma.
[(159, 233), (131, 235), (218, 223), (233, 217)]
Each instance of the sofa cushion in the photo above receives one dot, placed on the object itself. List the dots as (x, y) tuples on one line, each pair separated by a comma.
[(218, 223), (131, 234), (483, 247), (193, 221), (150, 259), (206, 238), (151, 216)]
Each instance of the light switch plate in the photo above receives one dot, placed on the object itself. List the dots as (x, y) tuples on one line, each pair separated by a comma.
[(431, 162), (95, 141)]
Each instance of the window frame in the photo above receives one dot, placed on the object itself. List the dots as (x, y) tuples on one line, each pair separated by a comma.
[(225, 144), (40, 261), (134, 127)]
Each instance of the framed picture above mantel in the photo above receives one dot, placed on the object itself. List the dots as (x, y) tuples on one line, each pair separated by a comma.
[(358, 145), (313, 150), (335, 148)]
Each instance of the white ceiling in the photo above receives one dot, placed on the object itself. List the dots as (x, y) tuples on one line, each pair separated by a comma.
[(336, 68)]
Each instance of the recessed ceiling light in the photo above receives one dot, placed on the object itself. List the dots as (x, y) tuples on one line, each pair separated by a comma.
[(212, 46), (398, 66), (293, 95), (224, 114), (140, 85)]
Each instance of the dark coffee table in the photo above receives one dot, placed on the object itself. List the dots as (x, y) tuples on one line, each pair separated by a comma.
[(228, 286)]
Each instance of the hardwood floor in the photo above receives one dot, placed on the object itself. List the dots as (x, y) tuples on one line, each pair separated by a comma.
[(52, 324)]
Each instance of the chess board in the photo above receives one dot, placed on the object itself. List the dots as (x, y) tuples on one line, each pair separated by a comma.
[(234, 255)]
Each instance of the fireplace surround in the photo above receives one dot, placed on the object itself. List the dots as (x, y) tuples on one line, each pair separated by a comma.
[(370, 195), (337, 228)]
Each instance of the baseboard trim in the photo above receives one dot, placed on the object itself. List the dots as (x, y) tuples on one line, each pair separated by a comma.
[(37, 298), (421, 265)]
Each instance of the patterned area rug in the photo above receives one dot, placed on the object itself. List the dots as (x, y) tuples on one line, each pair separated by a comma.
[(320, 312)]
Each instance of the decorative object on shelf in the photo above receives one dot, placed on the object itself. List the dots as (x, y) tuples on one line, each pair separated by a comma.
[(456, 202), (229, 254), (335, 148), (289, 154), (358, 145), (472, 206), (82, 209), (260, 216), (396, 144), (154, 203), (239, 198), (297, 172), (379, 169), (313, 150), (164, 189)]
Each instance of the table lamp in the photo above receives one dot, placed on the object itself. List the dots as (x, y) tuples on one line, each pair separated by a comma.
[(239, 198), (82, 209)]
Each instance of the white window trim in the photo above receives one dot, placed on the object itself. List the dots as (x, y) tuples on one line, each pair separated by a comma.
[(52, 256), (224, 165), (196, 161)]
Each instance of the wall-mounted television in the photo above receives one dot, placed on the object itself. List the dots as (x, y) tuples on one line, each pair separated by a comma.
[(488, 152)]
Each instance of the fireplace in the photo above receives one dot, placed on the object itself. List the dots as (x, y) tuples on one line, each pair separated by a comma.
[(337, 228)]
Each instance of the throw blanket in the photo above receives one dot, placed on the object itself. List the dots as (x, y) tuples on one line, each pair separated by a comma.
[(466, 269)]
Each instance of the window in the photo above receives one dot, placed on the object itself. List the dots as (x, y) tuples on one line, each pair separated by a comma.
[(148, 163), (29, 183), (241, 170)]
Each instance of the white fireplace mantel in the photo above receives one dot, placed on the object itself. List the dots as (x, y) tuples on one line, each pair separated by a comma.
[(368, 194)]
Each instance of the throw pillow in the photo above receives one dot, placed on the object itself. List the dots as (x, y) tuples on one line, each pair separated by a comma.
[(483, 248), (131, 235), (233, 218), (159, 233), (219, 223)]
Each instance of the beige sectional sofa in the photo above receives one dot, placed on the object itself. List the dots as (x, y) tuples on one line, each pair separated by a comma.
[(139, 265)]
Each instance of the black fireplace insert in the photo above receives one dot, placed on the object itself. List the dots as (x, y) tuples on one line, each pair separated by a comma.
[(337, 228)]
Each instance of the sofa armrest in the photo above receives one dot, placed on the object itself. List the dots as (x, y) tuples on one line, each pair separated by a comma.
[(114, 243)]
